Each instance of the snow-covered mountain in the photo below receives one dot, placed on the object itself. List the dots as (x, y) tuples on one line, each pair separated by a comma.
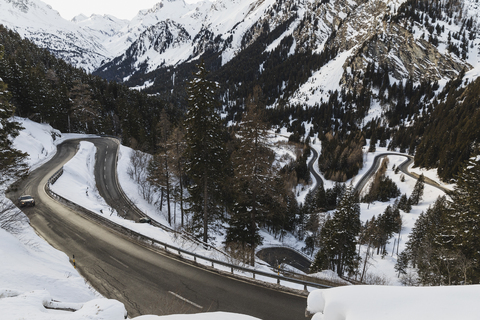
[(406, 39), (44, 26)]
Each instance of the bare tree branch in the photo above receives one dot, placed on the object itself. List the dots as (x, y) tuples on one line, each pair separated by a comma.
[(10, 217)]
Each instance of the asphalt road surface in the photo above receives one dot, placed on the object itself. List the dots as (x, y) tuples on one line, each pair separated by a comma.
[(316, 176), (275, 256), (146, 282), (403, 168)]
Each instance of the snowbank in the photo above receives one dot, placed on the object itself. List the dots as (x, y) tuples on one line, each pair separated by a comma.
[(77, 183), (36, 280), (395, 303), (199, 316)]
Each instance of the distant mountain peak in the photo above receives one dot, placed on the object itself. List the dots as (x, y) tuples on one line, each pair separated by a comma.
[(79, 18), (22, 5)]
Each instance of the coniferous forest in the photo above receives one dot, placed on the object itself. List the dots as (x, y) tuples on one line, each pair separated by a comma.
[(199, 159)]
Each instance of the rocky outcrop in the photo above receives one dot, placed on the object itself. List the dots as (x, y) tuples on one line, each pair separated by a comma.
[(389, 44)]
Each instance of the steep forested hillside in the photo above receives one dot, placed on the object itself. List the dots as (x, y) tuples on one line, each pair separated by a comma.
[(452, 130), (352, 70), (389, 77), (49, 90)]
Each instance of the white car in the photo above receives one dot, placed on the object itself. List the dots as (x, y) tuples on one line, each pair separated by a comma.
[(26, 200)]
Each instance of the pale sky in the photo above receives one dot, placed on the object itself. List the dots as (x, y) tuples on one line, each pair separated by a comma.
[(123, 9)]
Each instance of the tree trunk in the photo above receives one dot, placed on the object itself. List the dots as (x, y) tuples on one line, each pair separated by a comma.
[(181, 197), (168, 194), (365, 263), (398, 242), (161, 199), (253, 227), (205, 209)]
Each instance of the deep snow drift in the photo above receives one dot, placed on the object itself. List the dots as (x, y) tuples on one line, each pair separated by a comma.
[(395, 303)]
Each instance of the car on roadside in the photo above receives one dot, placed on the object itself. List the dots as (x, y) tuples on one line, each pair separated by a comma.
[(26, 200), (145, 220)]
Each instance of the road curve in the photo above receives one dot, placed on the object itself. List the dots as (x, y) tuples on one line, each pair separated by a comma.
[(106, 176), (146, 282), (403, 168), (274, 255), (316, 176)]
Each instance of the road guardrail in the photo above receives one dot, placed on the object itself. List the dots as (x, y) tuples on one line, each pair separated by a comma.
[(179, 252)]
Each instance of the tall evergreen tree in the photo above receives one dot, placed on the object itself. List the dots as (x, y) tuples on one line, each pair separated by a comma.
[(178, 162), (443, 245), (404, 203), (320, 198), (160, 166), (11, 159), (424, 247), (417, 193), (254, 176), (205, 152), (463, 221), (338, 237)]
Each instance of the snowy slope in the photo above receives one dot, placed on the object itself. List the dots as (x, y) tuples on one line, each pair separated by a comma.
[(39, 282), (35, 276), (37, 21), (174, 32)]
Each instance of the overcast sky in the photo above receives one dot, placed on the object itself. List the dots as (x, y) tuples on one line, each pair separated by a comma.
[(123, 9)]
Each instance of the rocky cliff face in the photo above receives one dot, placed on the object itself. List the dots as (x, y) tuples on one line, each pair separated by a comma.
[(375, 37)]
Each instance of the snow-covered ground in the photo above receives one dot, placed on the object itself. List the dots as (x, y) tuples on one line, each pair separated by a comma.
[(35, 276), (384, 267), (39, 282), (395, 303)]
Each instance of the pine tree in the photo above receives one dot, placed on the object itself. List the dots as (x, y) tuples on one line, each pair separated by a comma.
[(177, 142), (254, 175), (160, 166), (427, 248), (404, 203), (402, 264), (11, 159), (338, 237), (205, 152), (417, 193), (320, 198), (463, 222)]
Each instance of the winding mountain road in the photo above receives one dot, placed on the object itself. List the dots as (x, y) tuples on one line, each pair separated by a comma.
[(403, 168), (146, 281), (311, 168), (289, 256), (277, 255)]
